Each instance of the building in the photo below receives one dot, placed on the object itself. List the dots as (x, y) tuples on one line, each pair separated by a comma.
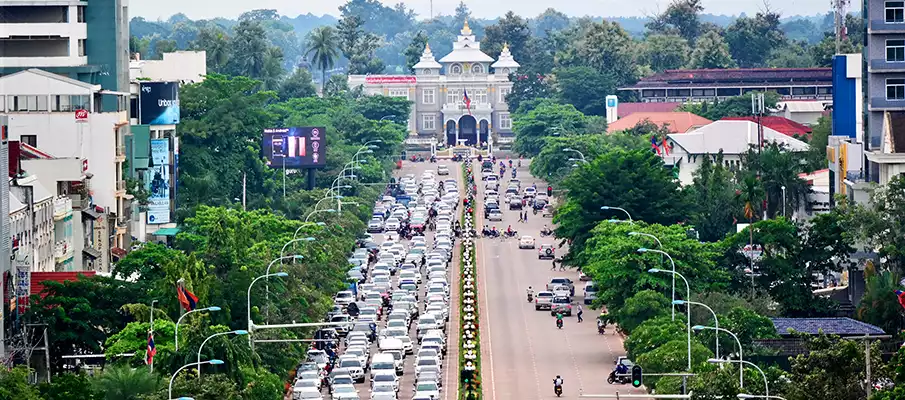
[(85, 41), (884, 55), (686, 151), (65, 119), (6, 276), (153, 147), (695, 85), (805, 112), (36, 230), (780, 124), (675, 121), (438, 90), (624, 109)]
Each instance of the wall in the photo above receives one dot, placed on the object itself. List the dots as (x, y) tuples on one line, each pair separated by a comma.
[(108, 45), (180, 66)]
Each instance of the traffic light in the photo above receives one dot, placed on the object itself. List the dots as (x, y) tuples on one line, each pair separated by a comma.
[(636, 375), (466, 375)]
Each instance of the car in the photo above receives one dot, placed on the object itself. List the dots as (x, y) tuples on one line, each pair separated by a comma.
[(343, 392), (515, 203), (526, 242), (583, 276), (543, 300), (427, 362), (392, 224), (344, 297), (383, 388), (354, 366), (561, 291), (442, 170), (494, 214), (429, 388), (530, 191), (546, 252), (375, 226), (561, 305), (314, 384), (306, 394), (590, 292)]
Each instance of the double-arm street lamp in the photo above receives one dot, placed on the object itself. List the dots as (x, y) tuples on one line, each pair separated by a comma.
[(235, 332), (687, 309), (250, 322), (199, 364), (178, 321), (620, 209), (329, 210), (766, 382), (741, 371), (671, 261), (716, 321)]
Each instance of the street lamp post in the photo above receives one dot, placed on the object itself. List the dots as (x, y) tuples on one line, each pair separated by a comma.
[(620, 209), (250, 323), (741, 371), (235, 332), (267, 272), (330, 210), (170, 391), (671, 261), (754, 396), (304, 225), (178, 321), (687, 309), (766, 383), (580, 154), (716, 321), (783, 201)]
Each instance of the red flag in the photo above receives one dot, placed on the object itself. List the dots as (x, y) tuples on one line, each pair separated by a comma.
[(188, 300), (901, 296), (152, 350), (467, 101), (653, 144)]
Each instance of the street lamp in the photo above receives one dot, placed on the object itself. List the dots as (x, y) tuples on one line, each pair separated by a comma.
[(305, 239), (580, 154), (620, 209), (716, 321), (766, 383), (250, 323), (754, 396), (687, 309), (329, 210), (212, 308), (304, 225), (577, 160), (671, 261), (170, 391), (783, 201), (267, 272), (385, 117), (235, 332), (741, 373)]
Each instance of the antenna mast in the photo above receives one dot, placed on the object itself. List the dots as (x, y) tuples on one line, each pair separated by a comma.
[(840, 9)]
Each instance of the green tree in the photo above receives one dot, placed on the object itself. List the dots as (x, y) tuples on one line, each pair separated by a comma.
[(126, 383), (139, 45), (711, 52), (655, 332), (323, 42), (249, 50), (549, 21), (553, 162), (737, 106), (831, 368), (879, 225), (216, 46), (752, 40), (212, 387), (777, 167), (529, 87), (606, 47), (791, 55), (643, 306), (681, 17), (415, 48), (671, 357), (512, 30), (880, 305), (713, 198), (358, 46), (164, 46), (337, 86), (664, 52), (584, 88), (298, 84), (463, 13), (69, 386), (14, 385), (545, 120), (134, 339)]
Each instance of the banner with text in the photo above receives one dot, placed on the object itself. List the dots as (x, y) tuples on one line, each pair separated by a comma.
[(158, 182)]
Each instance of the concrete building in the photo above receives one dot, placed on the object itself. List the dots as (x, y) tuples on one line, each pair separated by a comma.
[(83, 40), (695, 85), (733, 138), (6, 275), (885, 58), (35, 230), (438, 91), (180, 66), (805, 112), (674, 121), (64, 118)]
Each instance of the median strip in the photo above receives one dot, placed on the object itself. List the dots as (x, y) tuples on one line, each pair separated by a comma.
[(469, 341)]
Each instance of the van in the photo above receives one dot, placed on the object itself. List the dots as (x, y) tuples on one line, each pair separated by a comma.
[(590, 292), (391, 345), (383, 362)]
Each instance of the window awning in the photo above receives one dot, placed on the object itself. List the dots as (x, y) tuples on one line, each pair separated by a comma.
[(166, 232), (92, 252), (91, 212)]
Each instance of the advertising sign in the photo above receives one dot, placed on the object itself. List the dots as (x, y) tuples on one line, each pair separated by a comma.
[(81, 115), (404, 79), (23, 281), (298, 147), (158, 182), (158, 103)]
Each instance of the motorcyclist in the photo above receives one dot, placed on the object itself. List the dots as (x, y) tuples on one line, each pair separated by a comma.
[(545, 230), (509, 230), (621, 369), (558, 318), (510, 163), (557, 382), (530, 291), (520, 162)]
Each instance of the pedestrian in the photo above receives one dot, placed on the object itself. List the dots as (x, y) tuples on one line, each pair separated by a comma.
[(520, 217), (579, 313), (554, 265), (526, 217)]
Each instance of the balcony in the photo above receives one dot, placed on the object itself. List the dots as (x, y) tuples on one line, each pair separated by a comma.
[(881, 103), (63, 30), (120, 154), (62, 208), (881, 65), (62, 251), (80, 202), (881, 26), (43, 62), (459, 107)]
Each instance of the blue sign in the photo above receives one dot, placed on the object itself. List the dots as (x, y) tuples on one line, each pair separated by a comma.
[(158, 182)]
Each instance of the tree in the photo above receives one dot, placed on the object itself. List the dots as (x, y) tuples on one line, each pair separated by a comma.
[(126, 383), (415, 49), (643, 306), (528, 87), (713, 198), (548, 22), (14, 384), (880, 225), (832, 368), (164, 46), (297, 85), (606, 47), (655, 332), (463, 13), (664, 52), (671, 357), (682, 18), (553, 161), (358, 47), (547, 119), (880, 306), (215, 44), (752, 40), (711, 52), (139, 45), (792, 55), (212, 387), (777, 167), (323, 42), (512, 30), (737, 106), (584, 88), (69, 386)]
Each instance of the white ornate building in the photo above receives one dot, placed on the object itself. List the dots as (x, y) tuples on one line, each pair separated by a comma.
[(437, 91)]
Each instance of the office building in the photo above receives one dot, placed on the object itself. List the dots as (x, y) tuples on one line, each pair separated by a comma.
[(696, 85)]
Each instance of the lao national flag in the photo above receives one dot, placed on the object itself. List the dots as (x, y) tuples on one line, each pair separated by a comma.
[(654, 144), (467, 101), (188, 300), (152, 350), (901, 296)]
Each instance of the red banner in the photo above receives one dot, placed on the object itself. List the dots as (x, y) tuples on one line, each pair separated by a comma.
[(399, 79)]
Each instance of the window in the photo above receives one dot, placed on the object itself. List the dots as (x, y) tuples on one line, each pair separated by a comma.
[(895, 50), (133, 107), (506, 71), (456, 69), (81, 12), (82, 47), (399, 93), (477, 69), (895, 12), (31, 140), (453, 96), (42, 104), (803, 91), (895, 89), (505, 121), (80, 102), (825, 90), (723, 92), (429, 122), (2, 103), (427, 96), (480, 96), (503, 93)]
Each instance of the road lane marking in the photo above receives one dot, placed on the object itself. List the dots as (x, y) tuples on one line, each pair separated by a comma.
[(483, 280), (518, 284)]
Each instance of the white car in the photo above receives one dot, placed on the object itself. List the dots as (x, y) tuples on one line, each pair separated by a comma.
[(427, 362), (354, 366), (530, 191), (442, 170), (526, 242), (341, 392), (427, 388), (392, 224), (383, 388)]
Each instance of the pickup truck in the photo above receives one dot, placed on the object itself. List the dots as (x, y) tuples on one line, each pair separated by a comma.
[(543, 300)]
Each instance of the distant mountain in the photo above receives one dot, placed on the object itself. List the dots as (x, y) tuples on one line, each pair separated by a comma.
[(307, 22)]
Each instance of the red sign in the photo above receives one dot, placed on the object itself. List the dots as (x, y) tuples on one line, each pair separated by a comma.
[(397, 79), (85, 165), (81, 115)]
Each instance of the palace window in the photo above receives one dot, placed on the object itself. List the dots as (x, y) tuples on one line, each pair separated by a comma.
[(895, 50), (895, 89), (429, 122), (399, 93), (505, 121), (456, 69), (895, 12), (427, 96), (479, 96), (503, 93), (477, 69), (453, 96)]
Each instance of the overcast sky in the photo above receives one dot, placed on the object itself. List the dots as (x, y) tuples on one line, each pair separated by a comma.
[(203, 9)]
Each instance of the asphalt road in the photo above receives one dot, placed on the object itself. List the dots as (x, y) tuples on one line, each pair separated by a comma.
[(450, 377), (522, 349)]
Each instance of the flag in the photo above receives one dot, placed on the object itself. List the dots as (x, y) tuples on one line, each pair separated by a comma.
[(654, 144), (666, 146), (901, 295), (152, 350), (467, 101), (186, 298)]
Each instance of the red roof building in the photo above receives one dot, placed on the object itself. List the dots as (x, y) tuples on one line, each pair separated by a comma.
[(780, 124), (624, 109), (676, 122), (37, 278)]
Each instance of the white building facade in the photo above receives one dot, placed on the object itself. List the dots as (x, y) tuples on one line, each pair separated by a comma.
[(438, 91), (35, 236)]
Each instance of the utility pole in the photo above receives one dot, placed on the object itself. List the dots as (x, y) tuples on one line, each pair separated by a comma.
[(840, 8), (244, 175), (757, 108)]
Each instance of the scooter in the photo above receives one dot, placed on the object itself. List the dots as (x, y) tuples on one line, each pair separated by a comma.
[(622, 380), (530, 297), (559, 323), (546, 233), (558, 390), (601, 329)]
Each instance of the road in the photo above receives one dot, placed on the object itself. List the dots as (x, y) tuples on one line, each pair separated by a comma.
[(450, 378), (522, 349)]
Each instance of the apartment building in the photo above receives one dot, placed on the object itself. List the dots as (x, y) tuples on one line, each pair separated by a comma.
[(884, 55)]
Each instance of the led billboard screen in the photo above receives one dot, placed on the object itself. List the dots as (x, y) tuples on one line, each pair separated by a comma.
[(298, 147), (158, 103)]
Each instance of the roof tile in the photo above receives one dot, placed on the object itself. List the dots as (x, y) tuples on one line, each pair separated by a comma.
[(832, 326)]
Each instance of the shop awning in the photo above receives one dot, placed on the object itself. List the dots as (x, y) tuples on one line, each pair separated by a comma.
[(92, 252), (166, 232), (91, 212)]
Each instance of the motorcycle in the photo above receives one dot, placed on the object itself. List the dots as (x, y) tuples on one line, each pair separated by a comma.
[(510, 234), (601, 329), (559, 323), (545, 233), (558, 390), (622, 380), (534, 210), (530, 297)]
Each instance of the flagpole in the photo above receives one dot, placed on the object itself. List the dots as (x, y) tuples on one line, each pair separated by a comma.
[(152, 332)]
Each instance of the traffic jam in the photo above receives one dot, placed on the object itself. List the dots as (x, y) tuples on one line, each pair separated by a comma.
[(396, 313)]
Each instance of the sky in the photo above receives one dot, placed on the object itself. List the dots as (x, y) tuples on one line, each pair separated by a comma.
[(205, 9)]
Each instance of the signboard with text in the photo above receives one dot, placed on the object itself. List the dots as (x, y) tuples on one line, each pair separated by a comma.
[(158, 103), (81, 115), (403, 79), (158, 182), (297, 147)]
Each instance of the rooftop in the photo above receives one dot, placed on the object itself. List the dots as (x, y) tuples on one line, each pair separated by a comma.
[(832, 326), (730, 137), (624, 109), (676, 122), (738, 76), (780, 124)]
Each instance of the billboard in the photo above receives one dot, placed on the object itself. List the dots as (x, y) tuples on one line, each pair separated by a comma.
[(158, 182), (158, 103), (298, 147)]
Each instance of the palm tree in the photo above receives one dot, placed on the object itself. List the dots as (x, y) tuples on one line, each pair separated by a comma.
[(880, 305), (322, 41), (126, 383)]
